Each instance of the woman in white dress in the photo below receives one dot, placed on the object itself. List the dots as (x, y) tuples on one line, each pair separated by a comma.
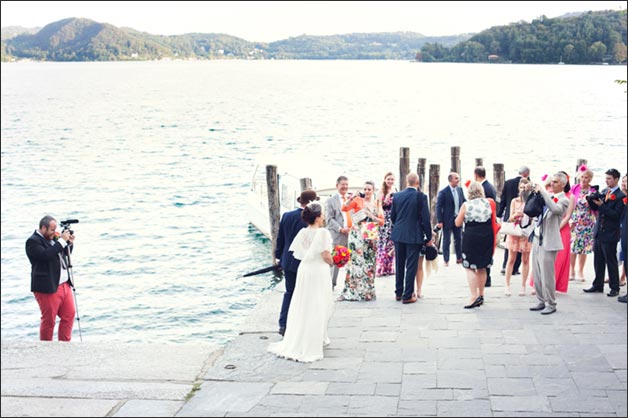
[(310, 309)]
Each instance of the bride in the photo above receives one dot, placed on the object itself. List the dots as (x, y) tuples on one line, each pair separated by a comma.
[(310, 309)]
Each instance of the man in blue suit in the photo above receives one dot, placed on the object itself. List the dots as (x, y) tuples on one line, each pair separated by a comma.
[(411, 229), (448, 203), (290, 225)]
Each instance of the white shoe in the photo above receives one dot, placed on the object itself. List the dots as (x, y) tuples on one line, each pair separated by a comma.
[(507, 292), (522, 292)]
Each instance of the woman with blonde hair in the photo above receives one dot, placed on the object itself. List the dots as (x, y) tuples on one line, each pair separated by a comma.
[(581, 223), (518, 244), (478, 240)]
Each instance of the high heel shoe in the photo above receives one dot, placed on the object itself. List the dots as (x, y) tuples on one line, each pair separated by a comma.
[(507, 292), (478, 301)]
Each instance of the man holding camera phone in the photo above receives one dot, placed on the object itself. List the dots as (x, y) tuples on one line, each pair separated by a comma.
[(610, 206), (50, 279)]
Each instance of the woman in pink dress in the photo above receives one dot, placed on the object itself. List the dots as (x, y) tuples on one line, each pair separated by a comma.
[(561, 265), (518, 244)]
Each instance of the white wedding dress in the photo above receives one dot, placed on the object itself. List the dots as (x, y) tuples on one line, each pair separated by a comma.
[(312, 300)]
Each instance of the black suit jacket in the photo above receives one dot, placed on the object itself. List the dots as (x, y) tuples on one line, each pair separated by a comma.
[(446, 207), (410, 216), (510, 191), (45, 263), (290, 225), (610, 214), (489, 190)]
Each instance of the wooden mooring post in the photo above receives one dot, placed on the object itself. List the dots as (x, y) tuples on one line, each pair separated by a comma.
[(455, 160), (274, 211), (420, 170), (306, 183), (404, 166), (498, 179), (434, 185)]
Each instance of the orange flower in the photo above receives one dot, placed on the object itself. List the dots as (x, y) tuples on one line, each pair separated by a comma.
[(56, 236)]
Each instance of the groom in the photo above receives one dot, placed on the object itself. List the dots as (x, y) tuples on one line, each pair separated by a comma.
[(290, 225), (411, 230)]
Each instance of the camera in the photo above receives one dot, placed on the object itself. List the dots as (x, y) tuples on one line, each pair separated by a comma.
[(66, 225), (595, 195), (436, 229), (361, 194)]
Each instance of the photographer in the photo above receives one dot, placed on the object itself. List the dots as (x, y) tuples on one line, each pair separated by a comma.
[(49, 278)]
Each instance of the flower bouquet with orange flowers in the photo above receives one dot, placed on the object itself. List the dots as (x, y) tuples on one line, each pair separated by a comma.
[(341, 255)]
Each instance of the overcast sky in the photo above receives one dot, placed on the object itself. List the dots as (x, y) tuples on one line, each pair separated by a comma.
[(267, 21)]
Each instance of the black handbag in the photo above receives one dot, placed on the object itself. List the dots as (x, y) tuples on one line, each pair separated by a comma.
[(534, 205)]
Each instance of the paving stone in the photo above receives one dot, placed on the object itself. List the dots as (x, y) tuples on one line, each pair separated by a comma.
[(476, 408), (56, 407), (225, 396), (512, 387), (581, 404), (145, 408), (299, 388), (520, 403), (416, 408)]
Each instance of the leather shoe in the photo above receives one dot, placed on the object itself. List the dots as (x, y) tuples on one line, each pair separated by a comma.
[(477, 302), (548, 310), (538, 307), (613, 293), (516, 273), (397, 298), (623, 299), (411, 300), (282, 331), (593, 289)]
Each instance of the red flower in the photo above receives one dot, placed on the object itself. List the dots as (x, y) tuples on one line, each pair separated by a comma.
[(555, 200), (624, 199), (341, 255), (544, 177), (612, 197), (467, 183)]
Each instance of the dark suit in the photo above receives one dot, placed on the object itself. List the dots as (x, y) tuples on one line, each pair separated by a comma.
[(607, 233), (290, 225), (411, 229), (45, 263), (510, 191), (446, 214)]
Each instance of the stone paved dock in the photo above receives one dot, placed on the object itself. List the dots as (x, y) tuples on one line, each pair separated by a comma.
[(431, 358)]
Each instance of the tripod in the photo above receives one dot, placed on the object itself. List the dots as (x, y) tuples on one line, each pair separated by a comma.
[(71, 281)]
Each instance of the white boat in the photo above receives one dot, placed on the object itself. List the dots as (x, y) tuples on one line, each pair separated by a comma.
[(290, 175)]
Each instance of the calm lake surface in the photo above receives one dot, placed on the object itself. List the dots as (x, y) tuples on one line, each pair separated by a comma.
[(155, 158)]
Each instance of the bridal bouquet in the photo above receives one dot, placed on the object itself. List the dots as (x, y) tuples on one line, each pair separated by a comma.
[(341, 255)]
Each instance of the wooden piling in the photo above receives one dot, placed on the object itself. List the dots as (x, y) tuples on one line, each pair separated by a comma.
[(420, 170), (404, 166), (579, 164), (455, 160), (274, 210), (306, 183), (499, 178), (479, 162), (434, 185)]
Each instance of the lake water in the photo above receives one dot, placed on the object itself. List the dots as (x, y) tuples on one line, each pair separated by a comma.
[(155, 158)]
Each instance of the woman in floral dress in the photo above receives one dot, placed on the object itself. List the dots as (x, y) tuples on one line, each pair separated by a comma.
[(582, 223), (360, 271), (385, 246)]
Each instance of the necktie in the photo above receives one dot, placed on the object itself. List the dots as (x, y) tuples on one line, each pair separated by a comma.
[(456, 201), (608, 194)]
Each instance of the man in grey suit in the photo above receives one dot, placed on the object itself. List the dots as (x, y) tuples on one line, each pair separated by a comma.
[(338, 222), (547, 243)]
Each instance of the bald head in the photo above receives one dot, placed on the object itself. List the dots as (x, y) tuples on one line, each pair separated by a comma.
[(412, 179)]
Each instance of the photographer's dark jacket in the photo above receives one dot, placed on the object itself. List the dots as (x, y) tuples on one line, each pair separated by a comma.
[(45, 263), (610, 213)]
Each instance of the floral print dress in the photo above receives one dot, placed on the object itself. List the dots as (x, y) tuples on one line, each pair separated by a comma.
[(385, 246), (583, 220), (360, 277)]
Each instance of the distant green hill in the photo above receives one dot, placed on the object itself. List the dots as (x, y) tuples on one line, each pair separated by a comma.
[(76, 39), (587, 38)]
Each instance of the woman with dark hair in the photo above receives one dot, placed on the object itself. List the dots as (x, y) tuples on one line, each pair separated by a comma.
[(360, 276), (385, 246), (311, 305), (561, 265)]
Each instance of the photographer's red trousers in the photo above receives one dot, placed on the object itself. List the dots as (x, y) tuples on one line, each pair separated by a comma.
[(60, 303)]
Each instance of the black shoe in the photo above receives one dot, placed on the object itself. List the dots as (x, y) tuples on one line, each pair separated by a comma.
[(613, 293), (593, 289), (481, 300), (477, 302), (502, 272), (282, 331), (516, 273), (622, 299), (538, 307)]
